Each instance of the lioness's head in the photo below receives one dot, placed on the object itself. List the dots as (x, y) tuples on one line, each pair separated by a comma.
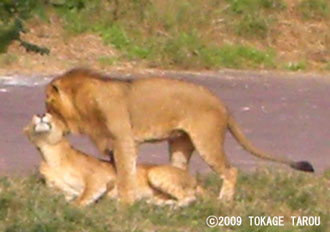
[(45, 129)]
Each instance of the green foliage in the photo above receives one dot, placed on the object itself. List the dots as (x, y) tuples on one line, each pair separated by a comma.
[(238, 56), (162, 33), (272, 4), (314, 9), (12, 16), (253, 17), (70, 4), (78, 15), (171, 34), (251, 6), (9, 33), (116, 36), (11, 9), (12, 32), (187, 50), (296, 66), (253, 26), (119, 38), (107, 61), (29, 47)]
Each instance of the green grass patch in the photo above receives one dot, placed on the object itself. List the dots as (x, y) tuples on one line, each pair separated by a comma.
[(296, 66), (238, 56), (314, 9), (185, 34), (253, 18), (27, 205), (107, 61), (187, 50), (162, 34), (250, 6), (253, 26)]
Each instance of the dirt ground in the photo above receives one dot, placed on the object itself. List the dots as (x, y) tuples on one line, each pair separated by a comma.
[(66, 51)]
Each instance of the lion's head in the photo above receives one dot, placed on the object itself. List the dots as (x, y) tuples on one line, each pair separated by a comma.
[(59, 103)]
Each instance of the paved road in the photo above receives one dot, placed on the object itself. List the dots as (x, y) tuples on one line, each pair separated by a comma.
[(288, 115)]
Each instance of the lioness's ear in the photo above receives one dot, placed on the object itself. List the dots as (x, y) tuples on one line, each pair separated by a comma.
[(36, 119)]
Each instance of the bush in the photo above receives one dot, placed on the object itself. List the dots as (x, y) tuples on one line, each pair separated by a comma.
[(13, 13)]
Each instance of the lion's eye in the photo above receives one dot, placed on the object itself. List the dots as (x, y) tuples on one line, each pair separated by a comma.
[(55, 88)]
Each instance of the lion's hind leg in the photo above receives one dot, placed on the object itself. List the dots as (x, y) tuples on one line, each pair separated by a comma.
[(173, 182), (208, 139)]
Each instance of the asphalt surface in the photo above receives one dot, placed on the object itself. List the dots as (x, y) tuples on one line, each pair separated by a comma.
[(281, 114)]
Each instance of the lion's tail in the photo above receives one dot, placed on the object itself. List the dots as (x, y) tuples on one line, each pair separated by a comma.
[(248, 146)]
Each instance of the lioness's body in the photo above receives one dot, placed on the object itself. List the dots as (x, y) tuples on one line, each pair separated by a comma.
[(86, 178), (126, 113)]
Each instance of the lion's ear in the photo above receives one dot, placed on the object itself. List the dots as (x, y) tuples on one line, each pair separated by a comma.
[(55, 88)]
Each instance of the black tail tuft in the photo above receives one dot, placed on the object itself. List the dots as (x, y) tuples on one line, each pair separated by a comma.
[(302, 166)]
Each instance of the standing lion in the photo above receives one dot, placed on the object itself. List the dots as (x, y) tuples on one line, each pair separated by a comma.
[(123, 114)]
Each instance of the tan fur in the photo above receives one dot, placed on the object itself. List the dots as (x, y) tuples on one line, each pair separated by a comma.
[(86, 178), (123, 114)]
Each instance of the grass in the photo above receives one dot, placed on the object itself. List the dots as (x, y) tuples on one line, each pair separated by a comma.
[(106, 60), (7, 59), (314, 9), (253, 18), (296, 66), (27, 205), (177, 34), (199, 34)]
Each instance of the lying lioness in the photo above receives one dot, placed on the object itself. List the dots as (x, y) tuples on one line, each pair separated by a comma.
[(87, 178)]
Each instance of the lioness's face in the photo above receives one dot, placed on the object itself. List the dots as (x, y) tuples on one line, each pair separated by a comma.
[(46, 129)]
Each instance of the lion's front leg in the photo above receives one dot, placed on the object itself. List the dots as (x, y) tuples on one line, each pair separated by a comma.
[(103, 144), (125, 158), (118, 124)]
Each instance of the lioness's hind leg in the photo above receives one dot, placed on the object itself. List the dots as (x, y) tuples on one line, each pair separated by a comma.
[(91, 193), (173, 182), (181, 149), (207, 135), (161, 200)]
